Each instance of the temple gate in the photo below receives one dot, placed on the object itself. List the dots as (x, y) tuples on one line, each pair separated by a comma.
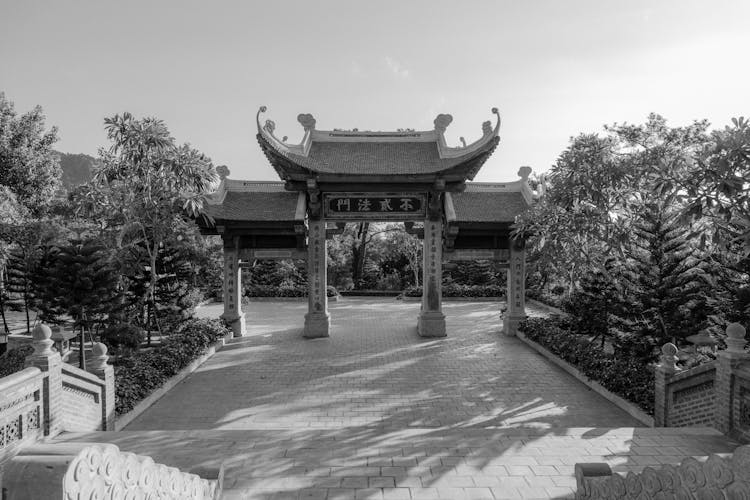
[(338, 176)]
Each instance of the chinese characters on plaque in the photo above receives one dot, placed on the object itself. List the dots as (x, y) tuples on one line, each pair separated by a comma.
[(375, 206)]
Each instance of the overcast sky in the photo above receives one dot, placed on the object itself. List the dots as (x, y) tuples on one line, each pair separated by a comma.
[(553, 68)]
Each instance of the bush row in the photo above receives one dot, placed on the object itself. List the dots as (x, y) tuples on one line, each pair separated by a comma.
[(626, 375), (254, 290), (456, 290), (12, 360), (142, 372)]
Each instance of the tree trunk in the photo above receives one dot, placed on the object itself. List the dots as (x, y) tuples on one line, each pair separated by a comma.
[(359, 253), (82, 352)]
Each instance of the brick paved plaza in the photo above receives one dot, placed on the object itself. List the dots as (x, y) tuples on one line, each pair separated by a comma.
[(375, 411)]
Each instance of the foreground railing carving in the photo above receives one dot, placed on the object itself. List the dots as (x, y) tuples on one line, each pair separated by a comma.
[(716, 478), (85, 471)]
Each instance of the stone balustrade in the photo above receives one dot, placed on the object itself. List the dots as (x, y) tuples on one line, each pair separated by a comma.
[(715, 394), (69, 471), (50, 396), (717, 477)]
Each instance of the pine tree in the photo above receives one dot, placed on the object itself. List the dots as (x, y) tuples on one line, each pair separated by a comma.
[(81, 283), (667, 274)]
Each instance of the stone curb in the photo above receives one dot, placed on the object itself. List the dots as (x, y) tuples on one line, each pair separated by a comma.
[(623, 404), (545, 307), (125, 419)]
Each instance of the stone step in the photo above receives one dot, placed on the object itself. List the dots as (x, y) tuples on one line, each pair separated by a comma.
[(447, 462)]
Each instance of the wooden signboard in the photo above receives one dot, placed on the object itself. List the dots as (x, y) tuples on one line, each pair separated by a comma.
[(374, 206)]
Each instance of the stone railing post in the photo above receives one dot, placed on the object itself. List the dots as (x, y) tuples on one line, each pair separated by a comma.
[(50, 363), (664, 371), (723, 386), (106, 372)]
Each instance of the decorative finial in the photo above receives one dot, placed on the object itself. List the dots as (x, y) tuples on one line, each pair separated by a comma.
[(307, 121), (42, 340), (669, 357), (735, 338), (487, 128), (222, 171), (441, 122), (524, 173), (99, 352), (262, 109), (269, 127)]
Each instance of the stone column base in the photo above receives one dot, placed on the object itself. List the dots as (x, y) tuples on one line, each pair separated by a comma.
[(511, 322), (317, 325), (431, 324), (236, 323)]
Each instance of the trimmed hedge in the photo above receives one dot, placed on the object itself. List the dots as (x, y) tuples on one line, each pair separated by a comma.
[(141, 373), (12, 360), (456, 290), (282, 291), (627, 376)]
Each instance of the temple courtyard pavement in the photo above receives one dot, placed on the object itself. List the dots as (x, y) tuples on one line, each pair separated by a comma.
[(374, 411)]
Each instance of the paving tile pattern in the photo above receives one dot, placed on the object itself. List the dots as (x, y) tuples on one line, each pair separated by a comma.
[(376, 412)]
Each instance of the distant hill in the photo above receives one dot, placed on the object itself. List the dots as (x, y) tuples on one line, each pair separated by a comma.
[(76, 169)]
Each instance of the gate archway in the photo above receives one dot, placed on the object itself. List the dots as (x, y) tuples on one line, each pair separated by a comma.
[(337, 176)]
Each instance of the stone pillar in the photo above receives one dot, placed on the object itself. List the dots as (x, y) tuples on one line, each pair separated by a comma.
[(726, 361), (50, 363), (515, 311), (431, 317), (317, 319), (664, 371), (233, 315), (106, 372)]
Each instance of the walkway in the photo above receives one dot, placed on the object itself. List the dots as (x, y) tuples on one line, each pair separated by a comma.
[(376, 411)]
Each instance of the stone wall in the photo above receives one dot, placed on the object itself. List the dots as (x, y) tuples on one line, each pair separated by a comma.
[(717, 477), (21, 411), (82, 400), (691, 397), (715, 394), (741, 403)]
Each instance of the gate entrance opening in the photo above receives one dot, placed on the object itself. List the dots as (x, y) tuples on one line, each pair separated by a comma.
[(338, 176)]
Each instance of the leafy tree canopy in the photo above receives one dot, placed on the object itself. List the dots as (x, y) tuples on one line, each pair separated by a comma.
[(29, 168)]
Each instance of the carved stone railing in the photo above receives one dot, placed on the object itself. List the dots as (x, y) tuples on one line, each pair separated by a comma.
[(716, 478), (20, 411), (715, 394), (84, 471), (88, 402)]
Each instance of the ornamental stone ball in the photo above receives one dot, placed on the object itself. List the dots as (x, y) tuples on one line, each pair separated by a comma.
[(99, 354), (41, 332), (42, 340), (735, 338), (669, 357)]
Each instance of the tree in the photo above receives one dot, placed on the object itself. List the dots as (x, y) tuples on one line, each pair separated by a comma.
[(80, 282), (144, 188), (29, 167), (598, 187)]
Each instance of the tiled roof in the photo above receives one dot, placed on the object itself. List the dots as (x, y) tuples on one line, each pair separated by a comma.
[(264, 205), (487, 206), (378, 158)]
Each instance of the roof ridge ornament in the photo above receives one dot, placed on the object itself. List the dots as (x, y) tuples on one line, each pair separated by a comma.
[(307, 121), (441, 122)]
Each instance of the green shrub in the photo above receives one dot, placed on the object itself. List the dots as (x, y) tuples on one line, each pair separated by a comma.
[(140, 374), (123, 335), (625, 375), (12, 360), (457, 290)]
